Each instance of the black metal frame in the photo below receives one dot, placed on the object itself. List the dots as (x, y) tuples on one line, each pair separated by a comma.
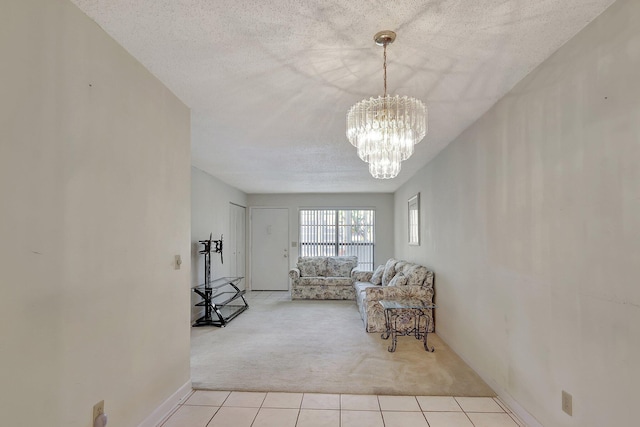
[(209, 246), (211, 307), (206, 291), (391, 316)]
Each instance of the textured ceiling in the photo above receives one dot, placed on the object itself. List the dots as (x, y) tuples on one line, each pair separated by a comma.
[(269, 82)]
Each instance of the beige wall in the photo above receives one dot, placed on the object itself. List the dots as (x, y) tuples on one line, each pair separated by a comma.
[(94, 190), (381, 202), (531, 221)]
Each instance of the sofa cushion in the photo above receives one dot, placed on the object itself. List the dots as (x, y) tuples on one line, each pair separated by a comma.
[(416, 274), (307, 269), (400, 265), (321, 266), (341, 266), (361, 286), (326, 281), (319, 262), (389, 271), (317, 288), (376, 279), (361, 276), (398, 280)]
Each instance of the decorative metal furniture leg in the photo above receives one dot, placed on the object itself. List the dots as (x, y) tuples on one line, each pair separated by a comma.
[(427, 324), (411, 314), (223, 311), (394, 333), (387, 323)]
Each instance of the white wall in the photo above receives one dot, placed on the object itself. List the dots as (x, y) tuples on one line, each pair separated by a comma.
[(381, 202), (94, 190), (531, 221), (210, 200)]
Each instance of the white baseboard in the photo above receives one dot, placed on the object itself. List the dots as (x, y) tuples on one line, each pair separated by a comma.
[(515, 407), (166, 408)]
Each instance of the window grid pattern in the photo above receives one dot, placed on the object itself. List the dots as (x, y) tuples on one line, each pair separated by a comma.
[(338, 232)]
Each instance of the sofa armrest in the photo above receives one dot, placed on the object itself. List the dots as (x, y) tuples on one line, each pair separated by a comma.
[(361, 276), (294, 273)]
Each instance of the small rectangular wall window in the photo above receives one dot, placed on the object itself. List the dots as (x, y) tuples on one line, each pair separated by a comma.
[(338, 232)]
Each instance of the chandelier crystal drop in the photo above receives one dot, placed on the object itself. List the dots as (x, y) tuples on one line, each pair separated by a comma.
[(385, 129)]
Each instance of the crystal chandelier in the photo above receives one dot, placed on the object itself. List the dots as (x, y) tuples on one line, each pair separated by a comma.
[(385, 129)]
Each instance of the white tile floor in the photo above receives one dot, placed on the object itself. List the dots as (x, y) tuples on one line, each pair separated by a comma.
[(247, 409)]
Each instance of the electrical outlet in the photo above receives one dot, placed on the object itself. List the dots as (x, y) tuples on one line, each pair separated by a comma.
[(567, 403), (98, 409)]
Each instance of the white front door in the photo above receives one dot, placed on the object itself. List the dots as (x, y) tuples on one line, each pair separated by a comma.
[(269, 249)]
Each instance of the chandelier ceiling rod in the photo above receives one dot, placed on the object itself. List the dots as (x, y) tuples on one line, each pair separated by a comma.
[(385, 70), (384, 38)]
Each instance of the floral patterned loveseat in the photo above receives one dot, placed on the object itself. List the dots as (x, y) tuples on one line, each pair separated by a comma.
[(395, 280), (323, 278)]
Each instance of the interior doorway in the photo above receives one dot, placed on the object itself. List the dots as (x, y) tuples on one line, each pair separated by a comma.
[(269, 249)]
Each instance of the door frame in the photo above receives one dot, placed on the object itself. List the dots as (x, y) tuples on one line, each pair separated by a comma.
[(236, 241), (249, 282)]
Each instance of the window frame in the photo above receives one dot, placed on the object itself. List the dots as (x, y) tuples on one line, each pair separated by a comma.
[(338, 241)]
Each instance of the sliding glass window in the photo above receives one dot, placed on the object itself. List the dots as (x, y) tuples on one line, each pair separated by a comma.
[(338, 232)]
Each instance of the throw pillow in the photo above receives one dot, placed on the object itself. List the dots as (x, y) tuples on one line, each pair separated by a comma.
[(389, 271), (307, 269), (400, 265), (341, 266), (398, 280), (416, 274), (321, 265), (376, 279)]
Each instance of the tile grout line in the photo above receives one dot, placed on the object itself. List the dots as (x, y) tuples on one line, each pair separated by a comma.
[(468, 417), (212, 417), (299, 409), (502, 408), (217, 410), (424, 415), (384, 424)]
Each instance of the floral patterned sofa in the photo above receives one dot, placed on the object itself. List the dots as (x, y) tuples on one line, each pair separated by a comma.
[(323, 278), (395, 280)]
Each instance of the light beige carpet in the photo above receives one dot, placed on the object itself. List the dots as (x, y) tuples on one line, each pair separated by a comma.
[(322, 347)]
